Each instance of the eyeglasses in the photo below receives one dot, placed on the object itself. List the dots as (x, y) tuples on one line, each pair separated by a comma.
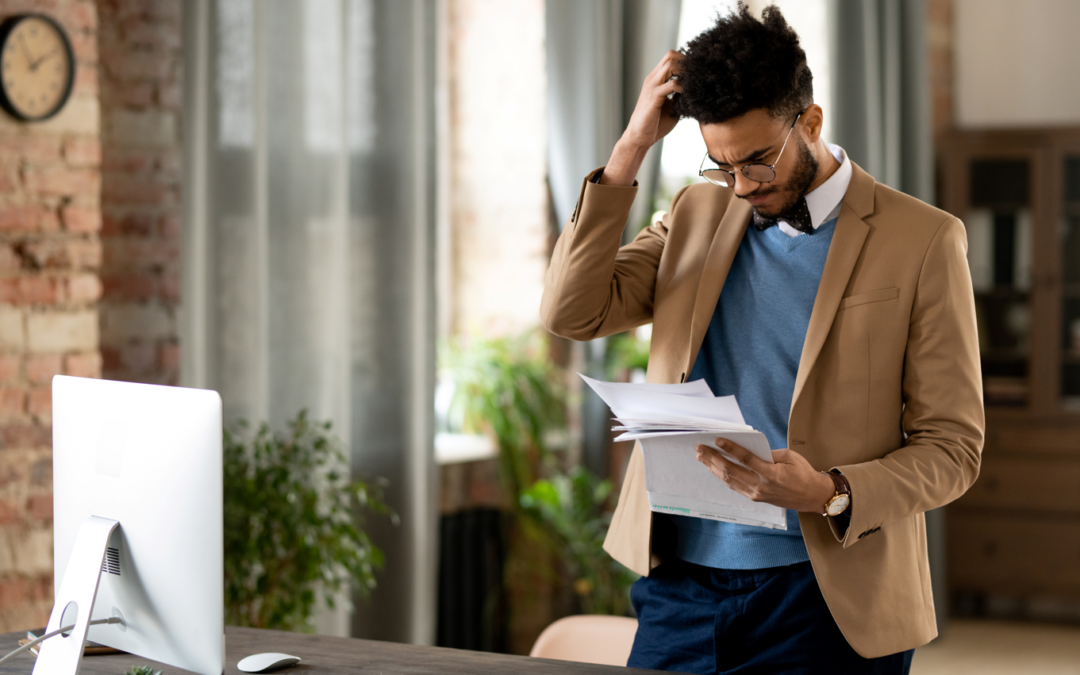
[(758, 172)]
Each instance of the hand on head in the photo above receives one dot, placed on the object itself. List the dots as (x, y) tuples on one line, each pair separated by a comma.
[(651, 120)]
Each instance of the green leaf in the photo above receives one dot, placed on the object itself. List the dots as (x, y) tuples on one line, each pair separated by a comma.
[(508, 388), (293, 522), (574, 511)]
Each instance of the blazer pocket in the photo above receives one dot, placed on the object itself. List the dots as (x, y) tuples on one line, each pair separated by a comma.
[(879, 295)]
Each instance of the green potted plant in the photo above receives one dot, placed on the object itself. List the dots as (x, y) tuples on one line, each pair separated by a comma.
[(508, 388), (575, 512), (293, 520)]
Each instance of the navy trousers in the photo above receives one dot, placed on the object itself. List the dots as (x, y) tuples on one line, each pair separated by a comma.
[(695, 619)]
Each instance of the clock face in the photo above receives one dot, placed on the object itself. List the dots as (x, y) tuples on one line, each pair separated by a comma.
[(37, 67), (838, 505)]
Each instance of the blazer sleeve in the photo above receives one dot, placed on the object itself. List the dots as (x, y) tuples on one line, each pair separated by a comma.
[(594, 288), (943, 415)]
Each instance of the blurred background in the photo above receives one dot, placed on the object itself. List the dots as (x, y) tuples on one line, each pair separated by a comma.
[(346, 207)]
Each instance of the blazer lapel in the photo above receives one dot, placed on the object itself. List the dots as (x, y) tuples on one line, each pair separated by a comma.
[(725, 243), (844, 251)]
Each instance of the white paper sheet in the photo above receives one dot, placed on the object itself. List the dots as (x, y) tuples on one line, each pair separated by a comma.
[(677, 483), (638, 400), (670, 420), (698, 388)]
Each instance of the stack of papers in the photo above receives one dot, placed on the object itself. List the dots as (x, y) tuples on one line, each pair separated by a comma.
[(670, 420)]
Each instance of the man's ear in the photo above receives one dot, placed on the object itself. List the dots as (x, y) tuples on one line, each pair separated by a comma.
[(811, 122)]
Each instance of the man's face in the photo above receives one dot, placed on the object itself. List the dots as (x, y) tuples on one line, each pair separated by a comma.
[(757, 137)]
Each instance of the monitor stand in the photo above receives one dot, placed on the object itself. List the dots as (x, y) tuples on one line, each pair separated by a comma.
[(62, 655)]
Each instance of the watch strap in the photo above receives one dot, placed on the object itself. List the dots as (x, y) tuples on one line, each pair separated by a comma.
[(841, 487), (839, 481)]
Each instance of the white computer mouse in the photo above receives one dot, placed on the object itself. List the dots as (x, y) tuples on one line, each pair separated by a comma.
[(262, 663)]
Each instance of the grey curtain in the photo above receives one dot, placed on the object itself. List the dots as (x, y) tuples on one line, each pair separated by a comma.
[(881, 91), (882, 118), (309, 239), (598, 54)]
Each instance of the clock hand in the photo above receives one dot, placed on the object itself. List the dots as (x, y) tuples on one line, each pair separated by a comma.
[(26, 50), (35, 64)]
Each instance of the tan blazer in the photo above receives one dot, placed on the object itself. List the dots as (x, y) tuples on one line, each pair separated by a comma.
[(888, 389)]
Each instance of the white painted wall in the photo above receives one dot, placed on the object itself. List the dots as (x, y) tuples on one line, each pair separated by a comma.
[(1017, 63)]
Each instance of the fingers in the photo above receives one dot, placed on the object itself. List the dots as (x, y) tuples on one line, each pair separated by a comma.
[(749, 459), (724, 469), (667, 61), (661, 93), (734, 476), (664, 70), (790, 482), (651, 120), (747, 480)]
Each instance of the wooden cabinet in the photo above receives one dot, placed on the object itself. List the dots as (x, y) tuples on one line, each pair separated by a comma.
[(1016, 534)]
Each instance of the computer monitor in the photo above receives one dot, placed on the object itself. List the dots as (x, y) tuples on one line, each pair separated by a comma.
[(150, 459)]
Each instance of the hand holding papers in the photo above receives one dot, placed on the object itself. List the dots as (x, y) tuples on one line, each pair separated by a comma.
[(670, 420)]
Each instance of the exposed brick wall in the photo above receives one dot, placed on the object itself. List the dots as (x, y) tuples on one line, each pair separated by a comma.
[(50, 256), (141, 82), (89, 255)]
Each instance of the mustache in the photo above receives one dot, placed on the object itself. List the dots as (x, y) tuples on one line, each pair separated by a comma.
[(758, 193)]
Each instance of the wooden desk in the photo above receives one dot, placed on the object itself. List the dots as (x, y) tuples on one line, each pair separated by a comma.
[(334, 655)]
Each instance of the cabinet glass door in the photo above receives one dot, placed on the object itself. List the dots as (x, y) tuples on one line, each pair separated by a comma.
[(999, 224), (1070, 232)]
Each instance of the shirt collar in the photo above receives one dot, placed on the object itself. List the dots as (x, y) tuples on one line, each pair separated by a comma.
[(824, 200)]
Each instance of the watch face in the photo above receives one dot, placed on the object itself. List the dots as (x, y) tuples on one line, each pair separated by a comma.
[(837, 505), (37, 65)]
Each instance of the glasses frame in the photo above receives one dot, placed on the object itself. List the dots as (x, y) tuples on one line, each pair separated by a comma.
[(743, 169)]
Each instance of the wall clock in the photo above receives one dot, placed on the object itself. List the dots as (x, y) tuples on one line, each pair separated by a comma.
[(37, 66)]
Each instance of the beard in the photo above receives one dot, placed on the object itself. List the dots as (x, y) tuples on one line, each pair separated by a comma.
[(796, 187)]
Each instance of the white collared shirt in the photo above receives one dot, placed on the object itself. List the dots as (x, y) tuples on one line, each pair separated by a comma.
[(824, 201)]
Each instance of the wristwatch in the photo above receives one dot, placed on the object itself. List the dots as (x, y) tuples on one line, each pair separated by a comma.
[(840, 501)]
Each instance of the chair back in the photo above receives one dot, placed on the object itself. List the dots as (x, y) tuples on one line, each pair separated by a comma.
[(605, 640)]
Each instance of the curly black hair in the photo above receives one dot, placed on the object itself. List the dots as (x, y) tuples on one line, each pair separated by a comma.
[(743, 64)]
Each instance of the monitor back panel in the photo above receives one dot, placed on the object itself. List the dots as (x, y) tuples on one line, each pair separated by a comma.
[(151, 458)]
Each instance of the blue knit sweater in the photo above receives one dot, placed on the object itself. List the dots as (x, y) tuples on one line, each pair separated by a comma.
[(752, 349)]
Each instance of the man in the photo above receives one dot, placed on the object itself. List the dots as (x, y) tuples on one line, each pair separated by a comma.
[(839, 312)]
